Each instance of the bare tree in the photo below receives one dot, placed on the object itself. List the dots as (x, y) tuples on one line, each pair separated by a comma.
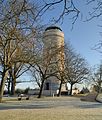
[(96, 13), (60, 75), (17, 70), (17, 26), (45, 65), (68, 7), (36, 77), (96, 10), (19, 23), (60, 68), (76, 68), (97, 79)]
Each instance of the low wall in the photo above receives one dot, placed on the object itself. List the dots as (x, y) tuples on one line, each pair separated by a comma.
[(44, 92)]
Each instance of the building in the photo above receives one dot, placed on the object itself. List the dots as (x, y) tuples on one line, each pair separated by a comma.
[(53, 39)]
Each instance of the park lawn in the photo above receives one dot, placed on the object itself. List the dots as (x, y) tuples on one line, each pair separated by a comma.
[(59, 113)]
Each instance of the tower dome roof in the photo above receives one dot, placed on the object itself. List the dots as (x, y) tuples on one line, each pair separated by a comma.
[(53, 27)]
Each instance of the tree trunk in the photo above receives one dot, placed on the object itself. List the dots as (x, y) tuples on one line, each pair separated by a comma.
[(4, 77), (41, 88), (9, 87), (59, 92), (13, 86), (70, 93)]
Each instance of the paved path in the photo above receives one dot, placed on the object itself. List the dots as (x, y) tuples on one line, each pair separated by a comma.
[(53, 103)]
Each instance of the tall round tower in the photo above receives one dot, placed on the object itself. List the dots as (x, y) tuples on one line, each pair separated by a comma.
[(53, 39)]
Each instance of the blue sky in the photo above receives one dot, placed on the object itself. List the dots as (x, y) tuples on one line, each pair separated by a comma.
[(83, 37)]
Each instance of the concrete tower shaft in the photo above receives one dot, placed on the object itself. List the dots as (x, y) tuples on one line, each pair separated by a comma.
[(53, 39)]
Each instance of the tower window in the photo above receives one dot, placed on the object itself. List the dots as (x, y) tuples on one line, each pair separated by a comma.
[(47, 86)]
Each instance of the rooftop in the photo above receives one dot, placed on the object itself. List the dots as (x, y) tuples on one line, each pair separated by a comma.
[(53, 27)]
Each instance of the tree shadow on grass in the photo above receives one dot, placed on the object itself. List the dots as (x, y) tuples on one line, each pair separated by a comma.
[(31, 106), (90, 105)]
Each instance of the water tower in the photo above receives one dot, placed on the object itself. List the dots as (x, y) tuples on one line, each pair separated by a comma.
[(53, 38)]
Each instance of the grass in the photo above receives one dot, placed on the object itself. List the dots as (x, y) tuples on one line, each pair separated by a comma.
[(52, 114), (7, 99), (57, 113)]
